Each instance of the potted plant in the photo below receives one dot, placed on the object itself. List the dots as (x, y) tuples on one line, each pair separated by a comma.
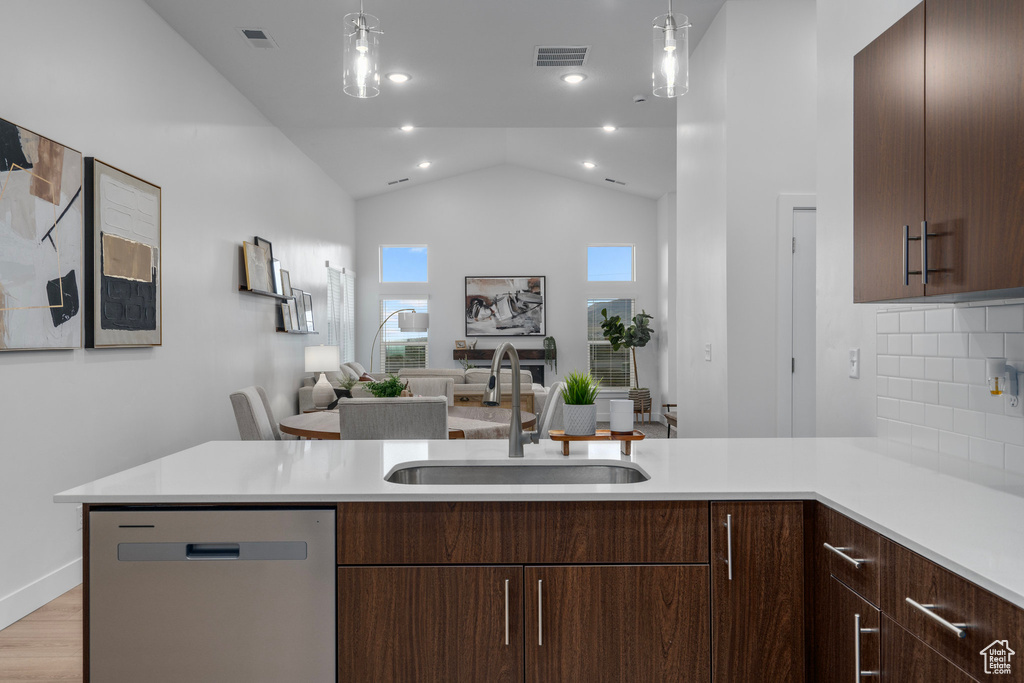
[(633, 337), (386, 388), (580, 396)]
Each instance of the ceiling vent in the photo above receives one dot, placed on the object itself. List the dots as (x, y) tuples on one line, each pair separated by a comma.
[(401, 180), (615, 182), (561, 55), (257, 37)]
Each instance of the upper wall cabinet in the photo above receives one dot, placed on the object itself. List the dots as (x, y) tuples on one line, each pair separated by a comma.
[(938, 143)]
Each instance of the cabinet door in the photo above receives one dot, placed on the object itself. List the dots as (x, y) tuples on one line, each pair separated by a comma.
[(423, 624), (888, 160), (847, 637), (638, 623), (757, 589), (905, 659), (975, 143)]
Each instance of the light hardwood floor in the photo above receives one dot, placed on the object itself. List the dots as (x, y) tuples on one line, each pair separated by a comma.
[(46, 645)]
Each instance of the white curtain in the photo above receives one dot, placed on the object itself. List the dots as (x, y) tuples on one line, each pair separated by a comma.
[(341, 300)]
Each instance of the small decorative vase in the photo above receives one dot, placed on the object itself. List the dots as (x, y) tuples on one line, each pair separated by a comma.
[(580, 420), (620, 415)]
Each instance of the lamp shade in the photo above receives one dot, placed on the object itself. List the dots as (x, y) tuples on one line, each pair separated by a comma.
[(413, 322), (322, 358)]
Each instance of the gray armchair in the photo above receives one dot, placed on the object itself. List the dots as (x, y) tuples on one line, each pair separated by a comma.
[(416, 417), (253, 414)]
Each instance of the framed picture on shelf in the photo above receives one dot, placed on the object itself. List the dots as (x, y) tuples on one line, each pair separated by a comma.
[(505, 306), (275, 273), (300, 309), (293, 317), (307, 305), (460, 343), (286, 283), (257, 268), (286, 316), (260, 242)]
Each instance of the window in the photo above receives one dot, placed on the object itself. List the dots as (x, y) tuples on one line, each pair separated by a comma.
[(403, 264), (401, 349), (341, 300), (612, 263), (613, 368)]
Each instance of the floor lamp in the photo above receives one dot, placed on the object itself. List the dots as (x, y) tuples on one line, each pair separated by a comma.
[(408, 321)]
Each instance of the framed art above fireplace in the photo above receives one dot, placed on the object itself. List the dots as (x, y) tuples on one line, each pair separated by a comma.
[(509, 306)]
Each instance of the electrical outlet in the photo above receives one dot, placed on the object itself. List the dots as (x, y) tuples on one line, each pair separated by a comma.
[(854, 368), (707, 352), (78, 510)]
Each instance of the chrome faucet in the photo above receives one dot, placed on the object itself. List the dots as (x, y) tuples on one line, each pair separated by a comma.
[(492, 397)]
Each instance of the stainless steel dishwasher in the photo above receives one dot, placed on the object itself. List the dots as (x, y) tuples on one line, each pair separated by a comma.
[(211, 595)]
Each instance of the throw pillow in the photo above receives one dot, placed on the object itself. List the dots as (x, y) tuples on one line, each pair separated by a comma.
[(360, 370), (349, 373)]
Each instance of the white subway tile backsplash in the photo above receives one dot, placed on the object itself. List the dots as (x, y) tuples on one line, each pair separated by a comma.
[(1013, 347), (1005, 319), (969, 422), (986, 345), (887, 323), (968, 319), (954, 344), (901, 388), (938, 369), (912, 412), (938, 320), (912, 321), (881, 428), (881, 386), (926, 345), (901, 432), (889, 366), (925, 437), (912, 367), (939, 417), (1014, 456), (925, 391), (954, 395), (888, 408), (981, 399), (954, 444), (901, 344), (1006, 429), (969, 370), (882, 344), (987, 452)]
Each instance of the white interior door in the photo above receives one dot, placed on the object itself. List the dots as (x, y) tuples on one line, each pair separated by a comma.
[(804, 357)]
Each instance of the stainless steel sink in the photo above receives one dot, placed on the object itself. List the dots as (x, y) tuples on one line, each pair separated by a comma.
[(501, 473)]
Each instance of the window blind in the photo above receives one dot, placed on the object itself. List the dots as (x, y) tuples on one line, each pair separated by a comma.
[(401, 349), (613, 368)]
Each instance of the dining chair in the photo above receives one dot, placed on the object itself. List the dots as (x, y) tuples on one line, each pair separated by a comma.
[(253, 414), (551, 417), (433, 386), (671, 418), (402, 417)]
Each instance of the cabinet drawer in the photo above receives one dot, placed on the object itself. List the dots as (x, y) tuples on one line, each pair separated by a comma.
[(627, 532), (905, 659), (847, 633), (983, 617), (430, 533), (842, 540)]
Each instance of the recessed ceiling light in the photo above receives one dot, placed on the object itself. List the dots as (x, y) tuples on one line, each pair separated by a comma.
[(574, 79), (407, 128), (589, 164), (610, 128), (396, 77), (424, 164)]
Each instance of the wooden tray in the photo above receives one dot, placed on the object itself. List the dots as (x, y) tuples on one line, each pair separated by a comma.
[(627, 438)]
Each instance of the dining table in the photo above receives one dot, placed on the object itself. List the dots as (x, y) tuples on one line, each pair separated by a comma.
[(464, 422)]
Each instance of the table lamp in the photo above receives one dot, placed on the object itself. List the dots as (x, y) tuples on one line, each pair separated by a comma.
[(322, 359)]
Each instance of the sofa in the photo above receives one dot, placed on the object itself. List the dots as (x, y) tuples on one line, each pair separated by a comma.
[(468, 384)]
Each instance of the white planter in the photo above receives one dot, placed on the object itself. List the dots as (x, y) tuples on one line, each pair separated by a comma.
[(580, 420), (620, 414)]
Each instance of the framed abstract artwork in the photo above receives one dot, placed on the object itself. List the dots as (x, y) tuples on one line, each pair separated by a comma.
[(300, 308), (505, 306), (307, 306), (124, 290), (286, 283), (257, 268), (41, 242)]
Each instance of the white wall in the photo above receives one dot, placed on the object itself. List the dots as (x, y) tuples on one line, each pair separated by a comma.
[(508, 220), (746, 134), (111, 79), (668, 349), (846, 407)]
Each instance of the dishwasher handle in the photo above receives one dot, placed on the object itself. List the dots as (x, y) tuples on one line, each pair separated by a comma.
[(212, 551)]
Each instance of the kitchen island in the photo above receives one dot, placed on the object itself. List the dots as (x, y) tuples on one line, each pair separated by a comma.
[(674, 529)]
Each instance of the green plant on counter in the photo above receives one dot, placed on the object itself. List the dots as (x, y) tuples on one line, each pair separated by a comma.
[(633, 337), (580, 389), (386, 388), (550, 354)]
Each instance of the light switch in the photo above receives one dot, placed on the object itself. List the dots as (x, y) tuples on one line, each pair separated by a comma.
[(855, 363), (707, 352)]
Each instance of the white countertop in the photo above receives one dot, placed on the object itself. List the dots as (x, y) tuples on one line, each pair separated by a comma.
[(966, 518)]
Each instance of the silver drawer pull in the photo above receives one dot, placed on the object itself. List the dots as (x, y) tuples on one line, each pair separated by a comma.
[(839, 551), (540, 612), (728, 543), (857, 631), (958, 629), (506, 611)]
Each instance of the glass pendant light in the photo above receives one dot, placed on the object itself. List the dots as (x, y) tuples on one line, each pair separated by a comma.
[(671, 54), (362, 54)]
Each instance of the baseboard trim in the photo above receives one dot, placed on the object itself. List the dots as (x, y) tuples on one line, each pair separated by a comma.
[(28, 599)]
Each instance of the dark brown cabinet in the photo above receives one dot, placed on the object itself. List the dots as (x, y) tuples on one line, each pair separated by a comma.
[(905, 659), (422, 624), (847, 635), (617, 623), (938, 139), (757, 589)]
